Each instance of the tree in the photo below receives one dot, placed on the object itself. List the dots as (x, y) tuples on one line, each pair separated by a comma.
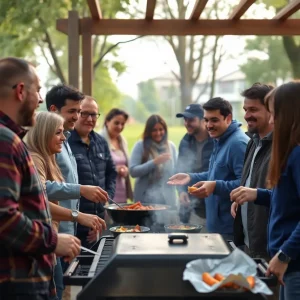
[(28, 28), (190, 51), (276, 66), (291, 44), (148, 95)]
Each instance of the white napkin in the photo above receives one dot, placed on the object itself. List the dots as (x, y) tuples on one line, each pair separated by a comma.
[(237, 264)]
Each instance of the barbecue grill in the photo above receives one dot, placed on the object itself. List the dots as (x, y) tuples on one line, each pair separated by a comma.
[(143, 266)]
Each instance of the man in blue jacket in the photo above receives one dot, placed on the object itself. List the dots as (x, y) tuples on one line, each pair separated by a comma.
[(225, 168)]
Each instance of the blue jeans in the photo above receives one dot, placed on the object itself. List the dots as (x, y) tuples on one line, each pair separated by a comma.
[(58, 279), (291, 288)]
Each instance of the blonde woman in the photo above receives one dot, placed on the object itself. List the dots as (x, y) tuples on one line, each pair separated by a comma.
[(44, 141)]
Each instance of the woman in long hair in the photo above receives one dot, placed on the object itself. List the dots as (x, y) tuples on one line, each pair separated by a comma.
[(44, 140), (284, 196), (152, 162), (114, 124)]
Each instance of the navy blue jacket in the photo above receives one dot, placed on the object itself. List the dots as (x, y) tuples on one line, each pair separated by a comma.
[(95, 167), (284, 203)]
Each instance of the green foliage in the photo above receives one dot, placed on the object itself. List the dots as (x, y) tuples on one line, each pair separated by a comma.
[(105, 91), (148, 95), (28, 29), (277, 66)]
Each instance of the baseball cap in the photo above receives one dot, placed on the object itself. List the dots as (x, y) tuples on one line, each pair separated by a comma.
[(192, 111)]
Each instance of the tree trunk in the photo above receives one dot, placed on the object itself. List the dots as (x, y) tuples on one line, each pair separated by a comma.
[(293, 53), (185, 93)]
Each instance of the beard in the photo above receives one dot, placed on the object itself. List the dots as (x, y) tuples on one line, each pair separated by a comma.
[(252, 129), (26, 114)]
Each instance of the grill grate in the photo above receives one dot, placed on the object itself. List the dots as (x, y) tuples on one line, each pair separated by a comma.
[(106, 254), (82, 270)]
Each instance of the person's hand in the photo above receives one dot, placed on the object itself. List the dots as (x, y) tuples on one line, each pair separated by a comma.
[(162, 158), (67, 246), (93, 193), (91, 221), (179, 179), (93, 236), (278, 268), (184, 199), (243, 194), (122, 170), (233, 210), (205, 188)]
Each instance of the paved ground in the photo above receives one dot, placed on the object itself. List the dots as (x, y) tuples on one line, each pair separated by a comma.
[(74, 291)]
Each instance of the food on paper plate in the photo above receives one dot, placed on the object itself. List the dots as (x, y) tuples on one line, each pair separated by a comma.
[(140, 206), (137, 228), (208, 279), (217, 278), (192, 189)]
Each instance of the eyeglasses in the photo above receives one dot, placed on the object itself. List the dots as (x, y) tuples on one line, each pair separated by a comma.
[(85, 115)]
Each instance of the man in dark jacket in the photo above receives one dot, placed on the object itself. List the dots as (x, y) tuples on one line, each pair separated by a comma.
[(250, 224), (94, 163), (195, 149)]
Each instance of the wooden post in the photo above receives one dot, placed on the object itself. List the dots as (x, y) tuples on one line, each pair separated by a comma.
[(87, 63), (73, 45)]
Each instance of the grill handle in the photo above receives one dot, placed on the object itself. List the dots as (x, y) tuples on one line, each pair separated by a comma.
[(178, 236), (72, 267)]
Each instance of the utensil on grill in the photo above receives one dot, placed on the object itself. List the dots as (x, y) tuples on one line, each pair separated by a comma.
[(89, 250), (115, 203)]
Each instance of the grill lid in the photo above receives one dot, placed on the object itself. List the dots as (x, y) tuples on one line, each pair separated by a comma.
[(200, 245)]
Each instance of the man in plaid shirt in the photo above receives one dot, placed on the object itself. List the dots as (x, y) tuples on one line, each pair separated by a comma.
[(27, 241)]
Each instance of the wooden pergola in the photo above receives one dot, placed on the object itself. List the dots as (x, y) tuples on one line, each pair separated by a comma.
[(96, 25)]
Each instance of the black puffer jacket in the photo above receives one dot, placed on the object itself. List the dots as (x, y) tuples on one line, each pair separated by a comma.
[(257, 215), (95, 167)]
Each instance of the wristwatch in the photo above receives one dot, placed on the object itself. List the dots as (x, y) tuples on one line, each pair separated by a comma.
[(74, 214), (283, 257)]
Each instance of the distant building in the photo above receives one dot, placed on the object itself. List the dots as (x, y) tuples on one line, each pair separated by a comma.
[(228, 86)]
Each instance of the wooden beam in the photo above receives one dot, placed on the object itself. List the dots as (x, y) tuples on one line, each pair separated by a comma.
[(240, 9), (288, 10), (87, 63), (73, 48), (198, 9), (95, 9), (150, 9), (186, 27)]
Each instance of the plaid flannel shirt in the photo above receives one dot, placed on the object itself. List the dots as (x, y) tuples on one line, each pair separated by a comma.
[(27, 240)]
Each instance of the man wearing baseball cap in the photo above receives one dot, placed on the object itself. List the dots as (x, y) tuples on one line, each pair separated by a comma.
[(194, 153)]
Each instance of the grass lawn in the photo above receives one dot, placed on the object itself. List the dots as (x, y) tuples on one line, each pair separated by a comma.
[(133, 133)]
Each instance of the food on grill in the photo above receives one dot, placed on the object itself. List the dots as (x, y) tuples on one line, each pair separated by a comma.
[(192, 189), (181, 227), (140, 206), (137, 228), (208, 279)]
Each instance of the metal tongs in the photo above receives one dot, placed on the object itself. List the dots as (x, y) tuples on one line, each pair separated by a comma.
[(115, 203)]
